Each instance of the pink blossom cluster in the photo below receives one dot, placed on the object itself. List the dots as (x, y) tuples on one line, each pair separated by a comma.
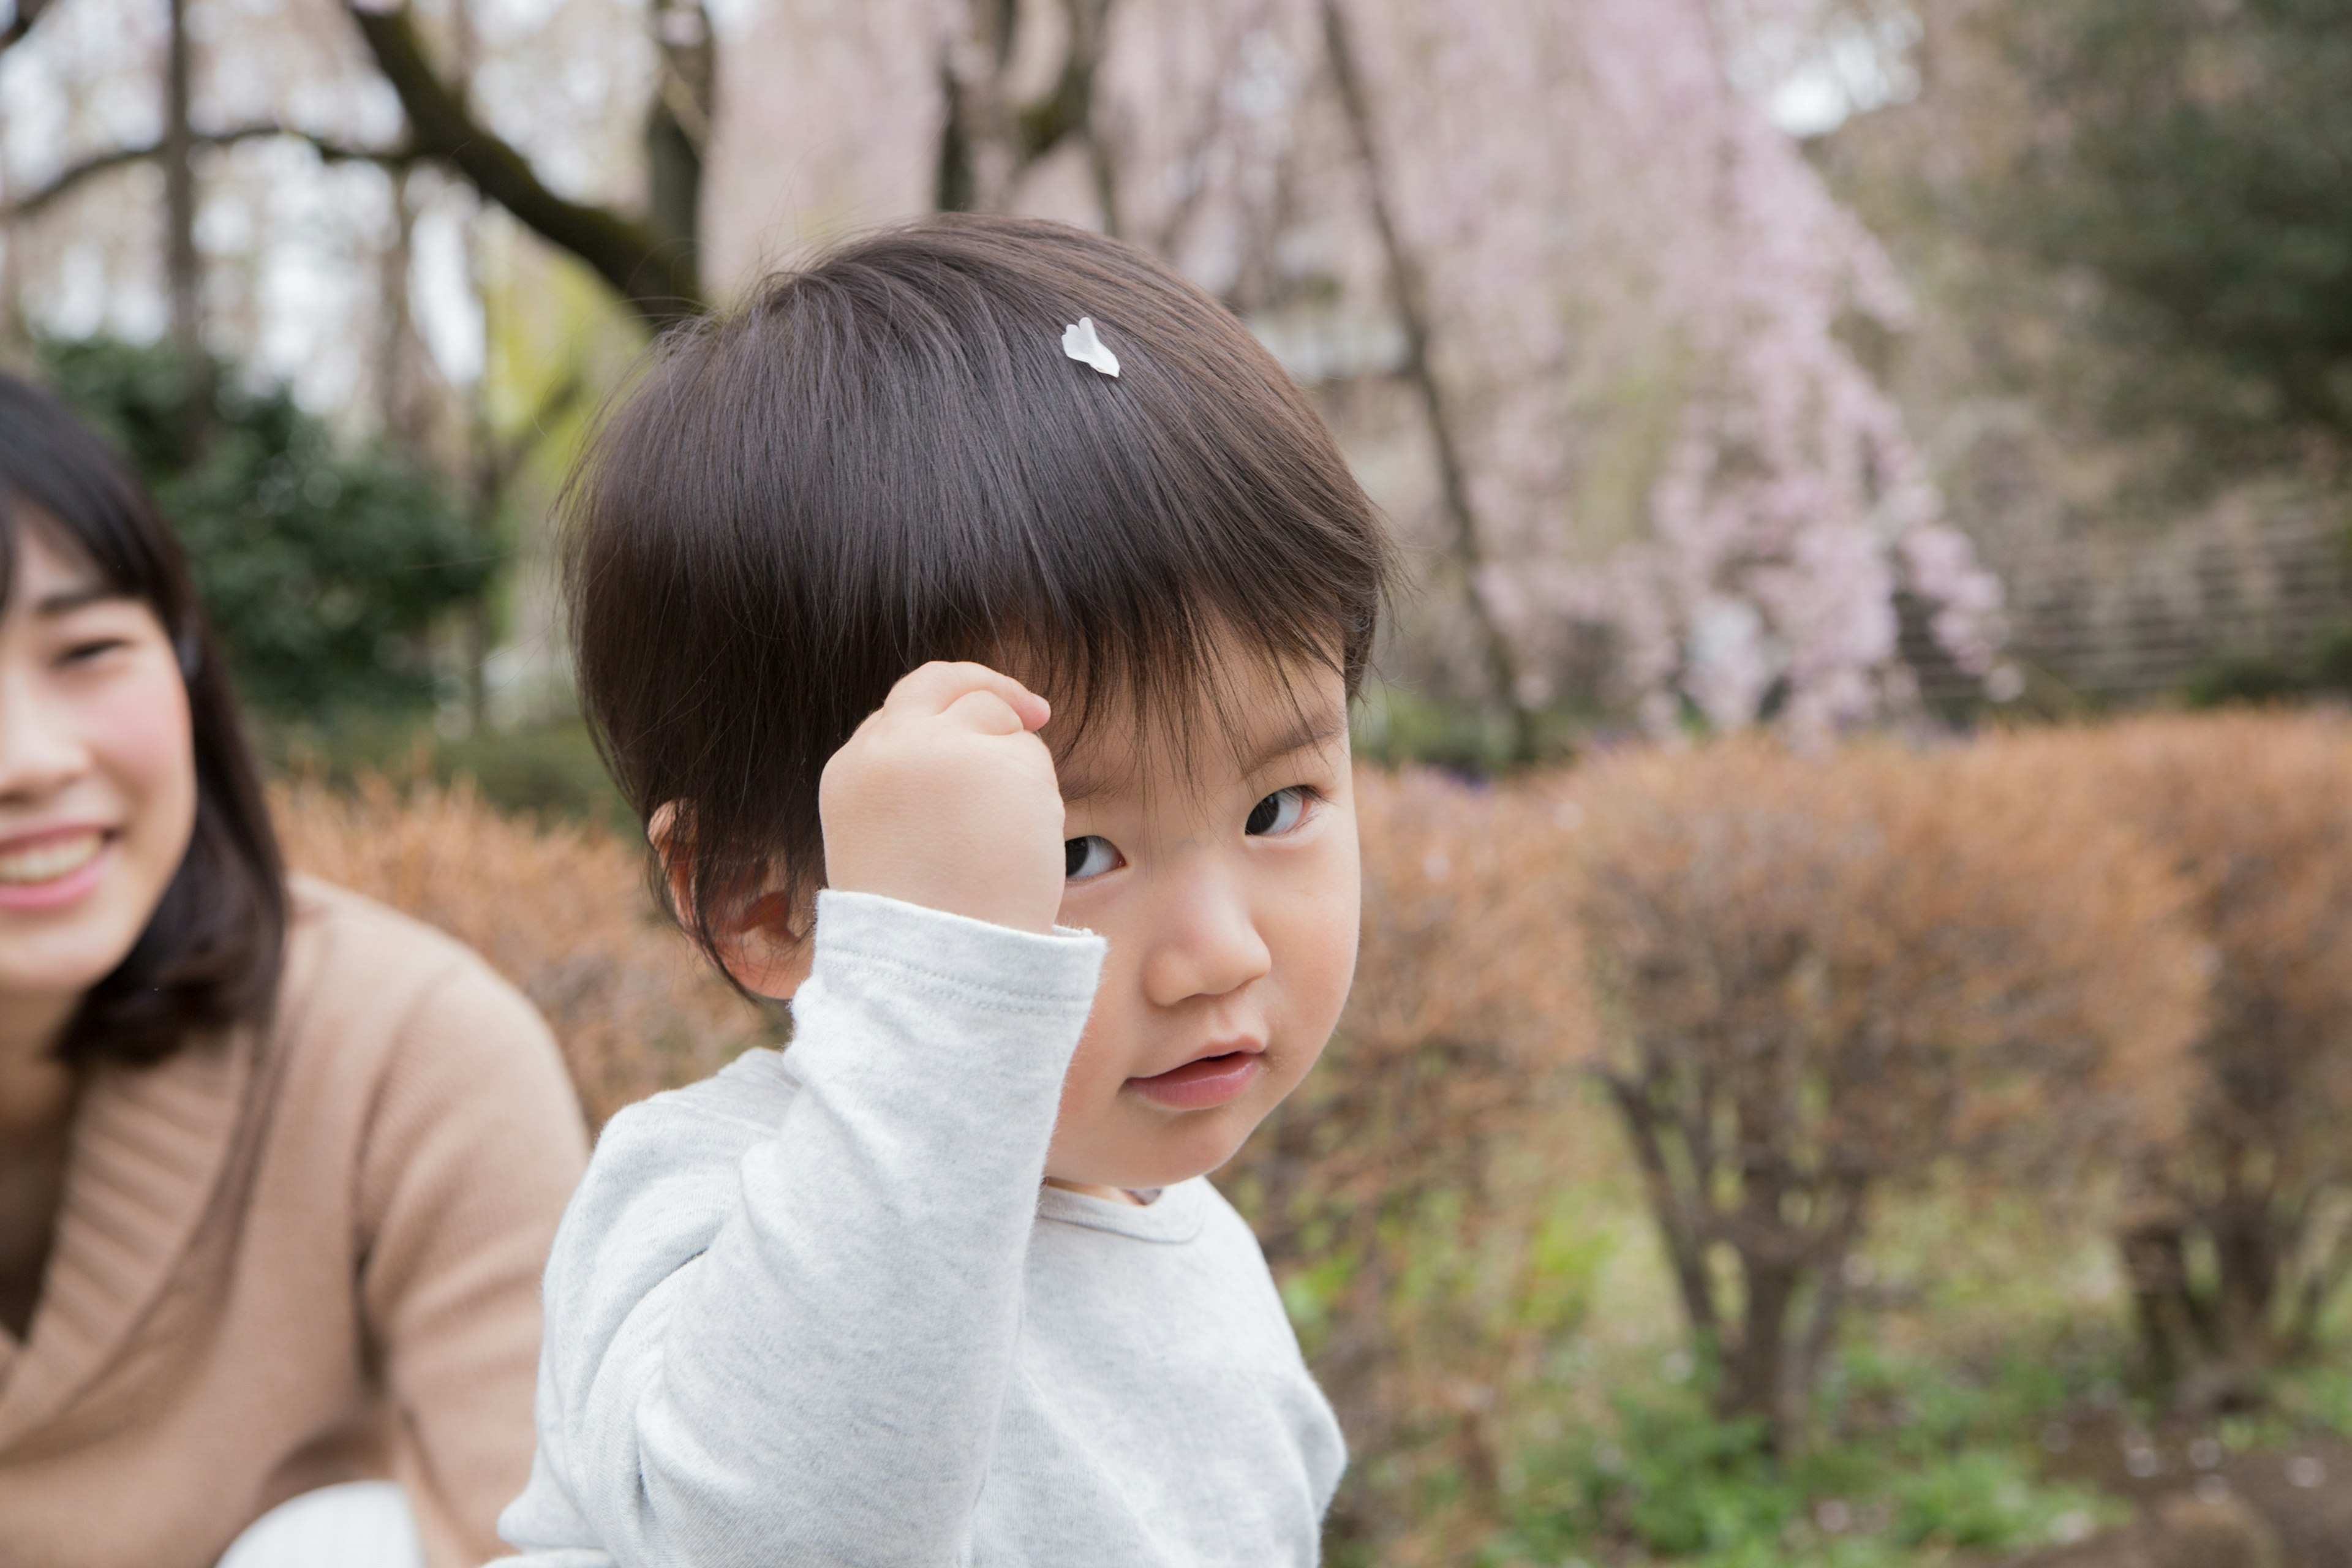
[(1626, 252)]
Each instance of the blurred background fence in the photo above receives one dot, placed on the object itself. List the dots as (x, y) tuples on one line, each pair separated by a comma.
[(1853, 1025)]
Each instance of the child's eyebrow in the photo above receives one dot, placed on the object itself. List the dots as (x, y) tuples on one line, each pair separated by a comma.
[(1307, 731)]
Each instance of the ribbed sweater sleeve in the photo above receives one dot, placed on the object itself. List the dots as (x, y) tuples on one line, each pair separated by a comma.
[(784, 1335), (474, 1143)]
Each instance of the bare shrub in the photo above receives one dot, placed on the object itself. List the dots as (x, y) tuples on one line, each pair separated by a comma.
[(2245, 1234), (1822, 977), (559, 909), (1401, 1193)]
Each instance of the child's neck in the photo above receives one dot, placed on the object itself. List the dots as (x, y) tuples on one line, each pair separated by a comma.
[(1108, 1194)]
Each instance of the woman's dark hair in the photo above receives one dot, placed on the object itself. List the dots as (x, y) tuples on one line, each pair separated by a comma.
[(211, 953), (888, 458)]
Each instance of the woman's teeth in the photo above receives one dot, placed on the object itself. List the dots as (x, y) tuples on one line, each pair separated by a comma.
[(47, 862)]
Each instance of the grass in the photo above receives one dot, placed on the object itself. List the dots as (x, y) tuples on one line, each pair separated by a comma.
[(1986, 1326), (1918, 1457)]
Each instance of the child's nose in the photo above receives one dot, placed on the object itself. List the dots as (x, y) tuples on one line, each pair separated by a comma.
[(1206, 945)]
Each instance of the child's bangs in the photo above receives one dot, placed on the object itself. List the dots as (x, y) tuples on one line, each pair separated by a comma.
[(1205, 685), (1133, 536), (1174, 615)]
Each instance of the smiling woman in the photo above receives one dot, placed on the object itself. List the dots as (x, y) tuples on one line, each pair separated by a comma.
[(278, 1167)]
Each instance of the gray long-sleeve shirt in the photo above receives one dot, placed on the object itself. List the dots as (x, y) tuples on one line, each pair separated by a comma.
[(819, 1308)]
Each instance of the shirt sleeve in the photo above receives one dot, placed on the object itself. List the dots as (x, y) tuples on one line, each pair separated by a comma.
[(784, 1335), (472, 1148)]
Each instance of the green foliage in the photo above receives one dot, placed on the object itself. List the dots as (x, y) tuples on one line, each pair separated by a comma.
[(325, 571), (1396, 726), (1943, 1470), (2196, 161), (2255, 679), (2316, 1398), (547, 771)]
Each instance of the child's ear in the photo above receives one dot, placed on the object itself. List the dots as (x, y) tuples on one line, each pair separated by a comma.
[(765, 943)]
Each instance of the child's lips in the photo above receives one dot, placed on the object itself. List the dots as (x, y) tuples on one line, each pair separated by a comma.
[(1202, 1082)]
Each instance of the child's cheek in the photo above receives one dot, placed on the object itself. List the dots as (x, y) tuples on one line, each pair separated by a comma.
[(1101, 1064), (1313, 944)]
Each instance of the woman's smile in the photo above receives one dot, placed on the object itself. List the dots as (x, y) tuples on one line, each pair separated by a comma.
[(68, 885), (40, 864)]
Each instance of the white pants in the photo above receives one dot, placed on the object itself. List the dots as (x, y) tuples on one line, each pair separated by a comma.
[(358, 1524)]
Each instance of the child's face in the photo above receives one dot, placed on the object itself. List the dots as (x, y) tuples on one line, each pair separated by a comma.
[(1226, 883), (1228, 892)]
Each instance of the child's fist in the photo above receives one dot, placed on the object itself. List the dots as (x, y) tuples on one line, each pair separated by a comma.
[(946, 798)]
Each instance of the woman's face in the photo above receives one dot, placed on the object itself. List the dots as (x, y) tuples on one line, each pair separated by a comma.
[(97, 778)]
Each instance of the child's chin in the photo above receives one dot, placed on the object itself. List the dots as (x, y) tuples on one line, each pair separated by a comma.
[(1176, 1154)]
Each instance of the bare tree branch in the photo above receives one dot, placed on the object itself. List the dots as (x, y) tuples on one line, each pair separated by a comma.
[(656, 276), (1466, 548), (184, 267), (1207, 130), (65, 181), (688, 87), (1682, 1224), (20, 22), (678, 122)]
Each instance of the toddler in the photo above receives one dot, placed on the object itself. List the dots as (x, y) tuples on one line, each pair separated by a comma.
[(973, 620)]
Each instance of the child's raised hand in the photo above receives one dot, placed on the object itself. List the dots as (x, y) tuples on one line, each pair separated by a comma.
[(946, 798)]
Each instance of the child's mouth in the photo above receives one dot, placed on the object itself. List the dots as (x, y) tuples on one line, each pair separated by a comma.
[(1200, 1084)]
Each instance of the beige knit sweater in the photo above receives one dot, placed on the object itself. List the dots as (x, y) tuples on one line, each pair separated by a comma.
[(287, 1260)]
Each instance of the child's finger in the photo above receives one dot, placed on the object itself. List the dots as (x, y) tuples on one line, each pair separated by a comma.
[(936, 687), (988, 712)]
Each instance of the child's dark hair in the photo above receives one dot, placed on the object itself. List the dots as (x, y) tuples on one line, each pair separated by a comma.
[(888, 459)]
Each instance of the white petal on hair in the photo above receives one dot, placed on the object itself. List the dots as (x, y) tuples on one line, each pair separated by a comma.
[(1081, 344)]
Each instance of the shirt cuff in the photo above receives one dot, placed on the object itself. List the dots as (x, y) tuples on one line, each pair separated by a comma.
[(986, 965)]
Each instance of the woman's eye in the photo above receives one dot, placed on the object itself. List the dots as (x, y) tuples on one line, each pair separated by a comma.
[(83, 652), (1278, 813), (1088, 857)]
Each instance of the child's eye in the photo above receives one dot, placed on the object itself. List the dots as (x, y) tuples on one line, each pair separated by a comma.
[(1279, 813), (1088, 857)]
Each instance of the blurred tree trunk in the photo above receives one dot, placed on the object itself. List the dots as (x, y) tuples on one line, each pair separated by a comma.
[(1465, 548), (400, 404), (677, 125), (1762, 1333), (991, 137), (2231, 1285), (485, 485), (182, 268)]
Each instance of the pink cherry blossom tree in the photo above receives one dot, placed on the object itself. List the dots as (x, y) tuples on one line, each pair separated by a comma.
[(1635, 283)]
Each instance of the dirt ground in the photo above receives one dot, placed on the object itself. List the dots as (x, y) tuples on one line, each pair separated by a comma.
[(2199, 1506)]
